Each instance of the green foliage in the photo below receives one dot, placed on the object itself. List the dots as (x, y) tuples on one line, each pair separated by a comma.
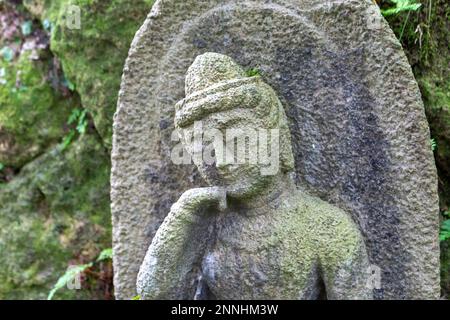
[(68, 277), (2, 166), (93, 56), (79, 118), (105, 255), (69, 85), (138, 297), (401, 6), (82, 122), (57, 206), (433, 144), (445, 230), (75, 271), (252, 72), (67, 140), (74, 116)]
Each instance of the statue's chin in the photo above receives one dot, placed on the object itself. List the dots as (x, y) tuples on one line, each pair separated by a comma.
[(243, 186), (242, 190), (237, 193)]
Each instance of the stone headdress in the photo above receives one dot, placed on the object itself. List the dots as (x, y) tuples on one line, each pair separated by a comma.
[(215, 83)]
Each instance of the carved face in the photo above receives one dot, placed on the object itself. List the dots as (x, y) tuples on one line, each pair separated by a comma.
[(233, 126), (223, 154)]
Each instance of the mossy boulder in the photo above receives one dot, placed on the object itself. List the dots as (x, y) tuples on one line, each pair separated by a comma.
[(93, 55), (54, 212), (32, 114), (55, 205)]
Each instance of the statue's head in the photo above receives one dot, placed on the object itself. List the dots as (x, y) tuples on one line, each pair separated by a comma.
[(230, 108)]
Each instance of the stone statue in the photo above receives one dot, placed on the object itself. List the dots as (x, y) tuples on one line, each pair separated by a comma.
[(265, 238)]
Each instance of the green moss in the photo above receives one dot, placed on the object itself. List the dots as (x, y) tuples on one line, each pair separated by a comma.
[(93, 56), (253, 72), (56, 211), (57, 207), (32, 113), (436, 95)]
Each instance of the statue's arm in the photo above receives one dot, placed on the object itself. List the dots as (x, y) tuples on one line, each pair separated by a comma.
[(344, 263), (178, 244)]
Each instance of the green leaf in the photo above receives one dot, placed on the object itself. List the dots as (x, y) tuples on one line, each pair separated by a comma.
[(400, 6), (67, 140), (82, 122), (27, 28), (68, 84), (252, 72), (74, 271), (105, 255), (445, 231), (7, 53), (138, 297), (2, 166), (69, 276), (74, 116), (433, 144)]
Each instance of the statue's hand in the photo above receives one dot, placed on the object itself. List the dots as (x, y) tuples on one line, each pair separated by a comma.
[(195, 199), (178, 245)]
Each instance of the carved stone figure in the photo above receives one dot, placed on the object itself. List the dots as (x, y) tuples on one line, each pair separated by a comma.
[(359, 135), (265, 238)]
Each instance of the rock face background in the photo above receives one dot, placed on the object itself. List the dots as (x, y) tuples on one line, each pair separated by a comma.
[(69, 223), (368, 153), (54, 202)]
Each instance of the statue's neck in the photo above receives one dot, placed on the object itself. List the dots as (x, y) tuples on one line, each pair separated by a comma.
[(270, 198)]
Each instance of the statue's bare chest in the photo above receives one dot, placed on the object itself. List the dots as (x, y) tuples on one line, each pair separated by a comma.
[(249, 260)]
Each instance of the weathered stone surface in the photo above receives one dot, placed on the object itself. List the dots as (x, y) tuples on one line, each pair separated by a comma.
[(34, 105), (252, 232), (33, 114), (54, 204), (93, 54), (54, 213), (360, 137)]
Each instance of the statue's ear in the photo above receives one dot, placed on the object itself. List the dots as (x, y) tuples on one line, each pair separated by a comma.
[(180, 134), (187, 138), (286, 155)]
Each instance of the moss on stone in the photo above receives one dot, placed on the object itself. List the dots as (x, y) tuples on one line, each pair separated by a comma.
[(93, 56), (57, 212), (32, 113), (57, 208)]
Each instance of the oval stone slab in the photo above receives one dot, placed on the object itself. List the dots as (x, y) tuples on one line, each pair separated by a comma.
[(359, 132)]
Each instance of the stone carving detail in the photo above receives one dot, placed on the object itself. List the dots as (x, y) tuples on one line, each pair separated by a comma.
[(359, 136), (256, 236)]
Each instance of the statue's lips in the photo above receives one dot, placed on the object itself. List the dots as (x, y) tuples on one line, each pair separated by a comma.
[(226, 95)]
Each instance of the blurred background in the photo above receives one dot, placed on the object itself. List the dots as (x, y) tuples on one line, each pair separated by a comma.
[(60, 70)]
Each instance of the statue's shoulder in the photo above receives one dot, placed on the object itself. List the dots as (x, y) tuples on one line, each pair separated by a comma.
[(325, 221), (334, 235)]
